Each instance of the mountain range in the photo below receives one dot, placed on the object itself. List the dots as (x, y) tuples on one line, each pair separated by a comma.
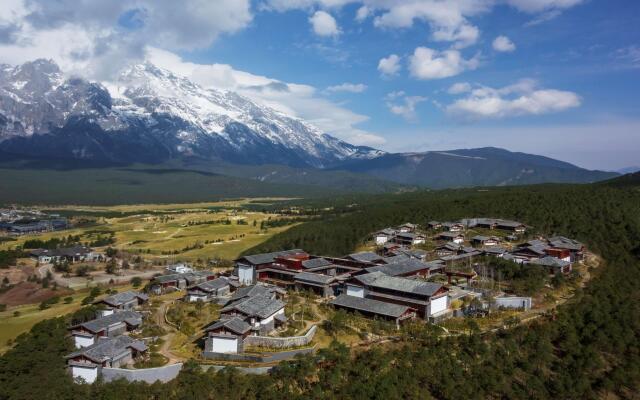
[(149, 115)]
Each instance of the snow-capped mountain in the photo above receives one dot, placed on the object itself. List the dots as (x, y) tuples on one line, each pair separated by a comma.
[(150, 115)]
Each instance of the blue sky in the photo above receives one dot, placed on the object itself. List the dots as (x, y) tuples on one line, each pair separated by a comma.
[(552, 77)]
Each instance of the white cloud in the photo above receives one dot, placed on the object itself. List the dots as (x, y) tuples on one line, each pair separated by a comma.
[(447, 19), (464, 35), (460, 87), (96, 39), (426, 63), (545, 10), (628, 56), (536, 6), (503, 44), (363, 13), (297, 100), (521, 98), (348, 87), (324, 24), (406, 108), (389, 65)]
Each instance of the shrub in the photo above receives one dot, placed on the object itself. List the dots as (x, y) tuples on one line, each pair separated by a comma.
[(136, 281)]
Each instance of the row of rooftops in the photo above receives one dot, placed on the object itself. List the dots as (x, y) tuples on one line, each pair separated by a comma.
[(107, 348), (74, 251)]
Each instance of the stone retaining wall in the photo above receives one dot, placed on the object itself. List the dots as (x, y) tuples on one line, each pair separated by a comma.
[(149, 375), (245, 370), (281, 342)]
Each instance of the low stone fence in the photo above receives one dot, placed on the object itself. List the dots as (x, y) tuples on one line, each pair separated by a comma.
[(149, 375), (281, 342), (513, 302), (257, 358)]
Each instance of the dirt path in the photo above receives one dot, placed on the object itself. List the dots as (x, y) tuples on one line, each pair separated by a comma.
[(171, 235), (161, 320)]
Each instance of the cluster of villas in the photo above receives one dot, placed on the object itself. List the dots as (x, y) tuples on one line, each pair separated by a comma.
[(105, 342), (452, 244), (392, 283)]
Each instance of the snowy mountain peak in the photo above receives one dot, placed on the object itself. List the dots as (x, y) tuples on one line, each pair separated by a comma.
[(171, 114)]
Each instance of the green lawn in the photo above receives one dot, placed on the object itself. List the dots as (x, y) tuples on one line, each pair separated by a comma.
[(30, 314), (166, 229)]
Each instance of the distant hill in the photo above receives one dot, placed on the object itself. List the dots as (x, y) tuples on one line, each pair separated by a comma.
[(153, 116), (625, 180), (628, 170), (488, 166)]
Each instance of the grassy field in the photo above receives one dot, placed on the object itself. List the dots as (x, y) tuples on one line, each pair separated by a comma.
[(156, 234), (11, 326), (173, 232)]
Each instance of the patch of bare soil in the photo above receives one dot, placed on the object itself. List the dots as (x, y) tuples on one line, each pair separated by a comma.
[(15, 275), (29, 293)]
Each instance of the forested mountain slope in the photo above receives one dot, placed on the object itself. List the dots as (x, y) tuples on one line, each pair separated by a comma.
[(488, 166), (587, 349)]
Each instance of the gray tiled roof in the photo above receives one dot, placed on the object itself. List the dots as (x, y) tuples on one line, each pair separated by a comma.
[(380, 280), (122, 298), (402, 268), (365, 256), (481, 238), (562, 242), (370, 306), (463, 256), (450, 235), (551, 262), (314, 278), (395, 259), (130, 317), (537, 249), (106, 349), (257, 306), (508, 224), (212, 285), (408, 235), (235, 324), (168, 278), (451, 246), (315, 263), (253, 290), (386, 231), (535, 242), (495, 250), (265, 258)]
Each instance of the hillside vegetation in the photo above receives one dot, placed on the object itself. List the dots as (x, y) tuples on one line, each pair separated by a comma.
[(586, 349)]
